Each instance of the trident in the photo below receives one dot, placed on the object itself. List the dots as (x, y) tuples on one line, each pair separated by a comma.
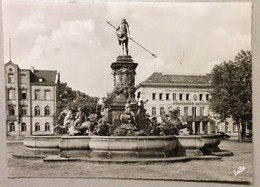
[(154, 55)]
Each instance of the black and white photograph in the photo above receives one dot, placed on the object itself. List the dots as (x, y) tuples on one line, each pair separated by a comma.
[(159, 91)]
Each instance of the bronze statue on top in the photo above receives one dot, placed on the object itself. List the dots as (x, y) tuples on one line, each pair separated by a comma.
[(123, 34)]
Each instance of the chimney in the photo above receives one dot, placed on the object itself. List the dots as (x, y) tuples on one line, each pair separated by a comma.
[(32, 69)]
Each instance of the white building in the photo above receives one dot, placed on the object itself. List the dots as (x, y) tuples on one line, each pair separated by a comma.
[(31, 97), (189, 93)]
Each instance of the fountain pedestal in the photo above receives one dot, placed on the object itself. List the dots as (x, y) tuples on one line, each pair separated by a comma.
[(123, 71)]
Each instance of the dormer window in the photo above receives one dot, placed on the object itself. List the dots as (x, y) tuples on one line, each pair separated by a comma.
[(40, 79)]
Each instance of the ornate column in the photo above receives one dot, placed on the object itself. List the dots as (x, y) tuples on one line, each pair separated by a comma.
[(193, 127), (208, 124), (123, 71), (201, 128)]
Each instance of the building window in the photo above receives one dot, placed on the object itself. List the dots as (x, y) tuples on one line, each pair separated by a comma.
[(186, 111), (154, 111), (187, 97), (23, 127), (161, 110), (37, 127), (47, 126), (200, 97), (10, 78), (12, 127), (180, 97), (37, 94), (37, 111), (207, 97), (47, 95), (23, 78), (24, 111), (154, 96), (194, 111), (167, 96), (174, 97), (160, 96), (202, 111), (11, 110), (47, 111), (24, 94), (11, 94)]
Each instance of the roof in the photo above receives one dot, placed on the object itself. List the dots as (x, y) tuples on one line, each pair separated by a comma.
[(158, 78), (48, 76)]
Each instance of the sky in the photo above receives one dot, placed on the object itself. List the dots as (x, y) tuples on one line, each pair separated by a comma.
[(74, 38)]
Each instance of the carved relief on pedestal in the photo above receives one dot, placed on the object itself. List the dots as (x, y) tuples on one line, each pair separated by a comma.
[(124, 81)]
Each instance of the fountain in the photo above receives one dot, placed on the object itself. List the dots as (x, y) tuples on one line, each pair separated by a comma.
[(128, 138)]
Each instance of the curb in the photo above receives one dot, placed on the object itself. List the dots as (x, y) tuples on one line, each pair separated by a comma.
[(122, 161)]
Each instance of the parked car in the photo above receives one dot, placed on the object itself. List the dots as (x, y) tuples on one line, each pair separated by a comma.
[(223, 135)]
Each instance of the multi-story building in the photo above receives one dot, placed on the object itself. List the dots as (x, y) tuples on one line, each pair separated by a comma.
[(31, 97), (189, 93)]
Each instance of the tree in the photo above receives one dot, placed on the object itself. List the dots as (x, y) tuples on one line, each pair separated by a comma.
[(75, 98), (232, 91)]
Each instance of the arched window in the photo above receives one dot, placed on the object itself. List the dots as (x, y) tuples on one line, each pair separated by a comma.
[(23, 110), (12, 127), (37, 111), (47, 126), (47, 111), (11, 110), (23, 127), (154, 111), (37, 127), (161, 110)]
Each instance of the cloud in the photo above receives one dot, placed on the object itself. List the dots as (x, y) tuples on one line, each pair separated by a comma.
[(32, 23), (77, 53)]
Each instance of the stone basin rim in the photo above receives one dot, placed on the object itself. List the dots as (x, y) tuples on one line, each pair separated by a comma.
[(44, 136), (132, 137), (123, 137)]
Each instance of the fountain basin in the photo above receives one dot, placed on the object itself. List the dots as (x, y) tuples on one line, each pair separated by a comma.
[(122, 147), (132, 146), (42, 145), (197, 145), (74, 146), (190, 142), (211, 140)]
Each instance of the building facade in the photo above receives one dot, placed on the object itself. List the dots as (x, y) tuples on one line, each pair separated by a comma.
[(189, 93), (31, 97)]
